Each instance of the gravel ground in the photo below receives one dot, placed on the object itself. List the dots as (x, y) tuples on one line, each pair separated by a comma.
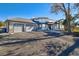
[(43, 45)]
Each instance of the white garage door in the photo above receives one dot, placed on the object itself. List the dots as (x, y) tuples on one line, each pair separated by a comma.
[(28, 28), (17, 29)]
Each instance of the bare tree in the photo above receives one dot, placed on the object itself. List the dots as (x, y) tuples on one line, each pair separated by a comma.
[(68, 9)]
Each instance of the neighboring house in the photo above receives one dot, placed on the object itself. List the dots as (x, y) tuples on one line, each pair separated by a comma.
[(58, 25), (15, 25), (2, 27)]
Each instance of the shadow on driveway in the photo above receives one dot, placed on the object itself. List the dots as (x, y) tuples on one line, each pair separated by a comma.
[(54, 34), (70, 49)]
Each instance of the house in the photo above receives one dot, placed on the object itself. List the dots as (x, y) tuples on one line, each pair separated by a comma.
[(15, 25), (43, 23)]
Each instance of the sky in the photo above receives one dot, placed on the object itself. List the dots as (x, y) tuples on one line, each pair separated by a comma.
[(26, 10)]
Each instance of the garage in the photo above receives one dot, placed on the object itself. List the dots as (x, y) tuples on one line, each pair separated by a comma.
[(18, 28), (15, 25)]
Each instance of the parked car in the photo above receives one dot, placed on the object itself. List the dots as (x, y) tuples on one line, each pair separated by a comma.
[(3, 30)]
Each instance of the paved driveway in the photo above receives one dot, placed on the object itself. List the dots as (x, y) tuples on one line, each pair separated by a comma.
[(3, 34)]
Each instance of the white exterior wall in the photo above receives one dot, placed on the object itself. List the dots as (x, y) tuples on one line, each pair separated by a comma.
[(15, 28)]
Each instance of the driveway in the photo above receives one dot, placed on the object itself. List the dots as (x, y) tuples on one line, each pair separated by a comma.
[(40, 45), (3, 34)]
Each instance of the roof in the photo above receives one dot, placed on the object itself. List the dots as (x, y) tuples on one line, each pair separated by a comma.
[(42, 20), (50, 23), (20, 20)]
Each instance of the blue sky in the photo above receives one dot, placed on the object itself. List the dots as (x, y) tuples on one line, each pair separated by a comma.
[(27, 10)]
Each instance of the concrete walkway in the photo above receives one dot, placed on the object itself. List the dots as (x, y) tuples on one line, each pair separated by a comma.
[(3, 34)]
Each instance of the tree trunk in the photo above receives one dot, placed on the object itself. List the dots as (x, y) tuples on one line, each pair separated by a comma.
[(68, 19)]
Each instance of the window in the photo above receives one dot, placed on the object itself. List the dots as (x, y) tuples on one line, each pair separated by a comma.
[(16, 24)]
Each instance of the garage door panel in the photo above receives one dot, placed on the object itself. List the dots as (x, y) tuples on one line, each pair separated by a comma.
[(17, 28)]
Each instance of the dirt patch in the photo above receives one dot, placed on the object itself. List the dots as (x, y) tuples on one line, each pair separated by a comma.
[(43, 47)]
